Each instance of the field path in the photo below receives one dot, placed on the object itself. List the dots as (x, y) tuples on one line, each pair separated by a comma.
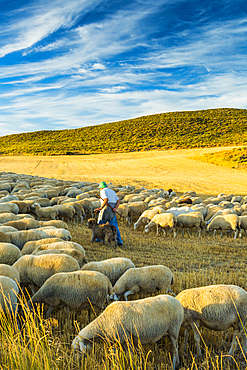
[(170, 168)]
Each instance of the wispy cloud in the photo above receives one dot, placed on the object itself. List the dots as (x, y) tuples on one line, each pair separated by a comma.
[(81, 63)]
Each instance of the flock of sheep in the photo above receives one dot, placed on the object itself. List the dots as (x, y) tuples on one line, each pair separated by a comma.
[(36, 251)]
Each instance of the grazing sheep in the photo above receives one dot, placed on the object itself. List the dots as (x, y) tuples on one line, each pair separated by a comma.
[(221, 212), (217, 307), (88, 206), (24, 224), (65, 212), (113, 268), (29, 247), (7, 229), (243, 225), (8, 295), (179, 211), (47, 213), (226, 222), (149, 279), (147, 216), (9, 271), (186, 200), (35, 270), (123, 210), (191, 220), (4, 238), (77, 255), (105, 232), (164, 220), (76, 290), (9, 253), (136, 209), (9, 198), (145, 320), (79, 211), (23, 206), (57, 223), (9, 208), (60, 245)]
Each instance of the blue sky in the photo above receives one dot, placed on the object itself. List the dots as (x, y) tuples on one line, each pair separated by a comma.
[(68, 63)]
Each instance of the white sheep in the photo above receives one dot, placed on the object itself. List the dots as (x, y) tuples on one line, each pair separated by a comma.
[(149, 279), (144, 320), (217, 307), (136, 209), (9, 207), (9, 271), (78, 290), (243, 225), (165, 221), (191, 220), (57, 223), (8, 295), (226, 222), (30, 246), (7, 229), (47, 213), (9, 253), (147, 216), (221, 212), (65, 212), (35, 270), (113, 268)]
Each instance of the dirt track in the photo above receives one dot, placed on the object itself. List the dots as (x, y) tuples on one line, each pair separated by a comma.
[(170, 168)]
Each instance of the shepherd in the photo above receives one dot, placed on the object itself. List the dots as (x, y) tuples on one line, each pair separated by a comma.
[(109, 205)]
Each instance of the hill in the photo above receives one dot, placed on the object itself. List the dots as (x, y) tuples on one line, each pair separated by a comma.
[(189, 129)]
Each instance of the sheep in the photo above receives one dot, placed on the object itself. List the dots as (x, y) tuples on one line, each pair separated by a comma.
[(225, 222), (10, 271), (65, 211), (59, 245), (79, 210), (45, 212), (77, 290), (57, 223), (123, 210), (30, 246), (191, 220), (9, 207), (144, 320), (8, 295), (23, 206), (113, 268), (179, 211), (7, 229), (163, 220), (186, 200), (105, 232), (9, 198), (149, 279), (9, 253), (35, 270), (135, 210), (23, 224), (243, 224), (6, 217), (77, 255), (220, 213), (19, 238), (4, 238), (147, 216), (87, 205), (217, 307)]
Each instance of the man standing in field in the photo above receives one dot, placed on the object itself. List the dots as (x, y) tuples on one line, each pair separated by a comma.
[(108, 197)]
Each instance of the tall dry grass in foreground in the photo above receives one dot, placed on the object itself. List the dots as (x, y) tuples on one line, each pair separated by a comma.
[(46, 343)]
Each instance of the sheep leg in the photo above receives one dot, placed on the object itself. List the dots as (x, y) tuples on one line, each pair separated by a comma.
[(214, 232), (157, 230), (33, 288), (175, 358), (236, 234), (188, 231), (234, 342), (196, 332), (164, 232), (186, 337), (49, 311)]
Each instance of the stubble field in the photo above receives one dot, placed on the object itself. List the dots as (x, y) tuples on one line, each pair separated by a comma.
[(194, 261)]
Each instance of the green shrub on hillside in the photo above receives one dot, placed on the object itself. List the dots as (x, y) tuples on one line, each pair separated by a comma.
[(235, 158), (213, 127)]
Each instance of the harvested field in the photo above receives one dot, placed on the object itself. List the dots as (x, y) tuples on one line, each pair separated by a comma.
[(175, 169)]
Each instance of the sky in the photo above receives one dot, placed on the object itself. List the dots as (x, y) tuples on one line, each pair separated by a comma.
[(68, 63)]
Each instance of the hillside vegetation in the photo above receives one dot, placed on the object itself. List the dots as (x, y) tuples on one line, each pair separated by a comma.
[(235, 158), (190, 129)]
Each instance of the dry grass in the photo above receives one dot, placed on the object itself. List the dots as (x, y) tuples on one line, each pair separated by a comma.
[(175, 169)]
